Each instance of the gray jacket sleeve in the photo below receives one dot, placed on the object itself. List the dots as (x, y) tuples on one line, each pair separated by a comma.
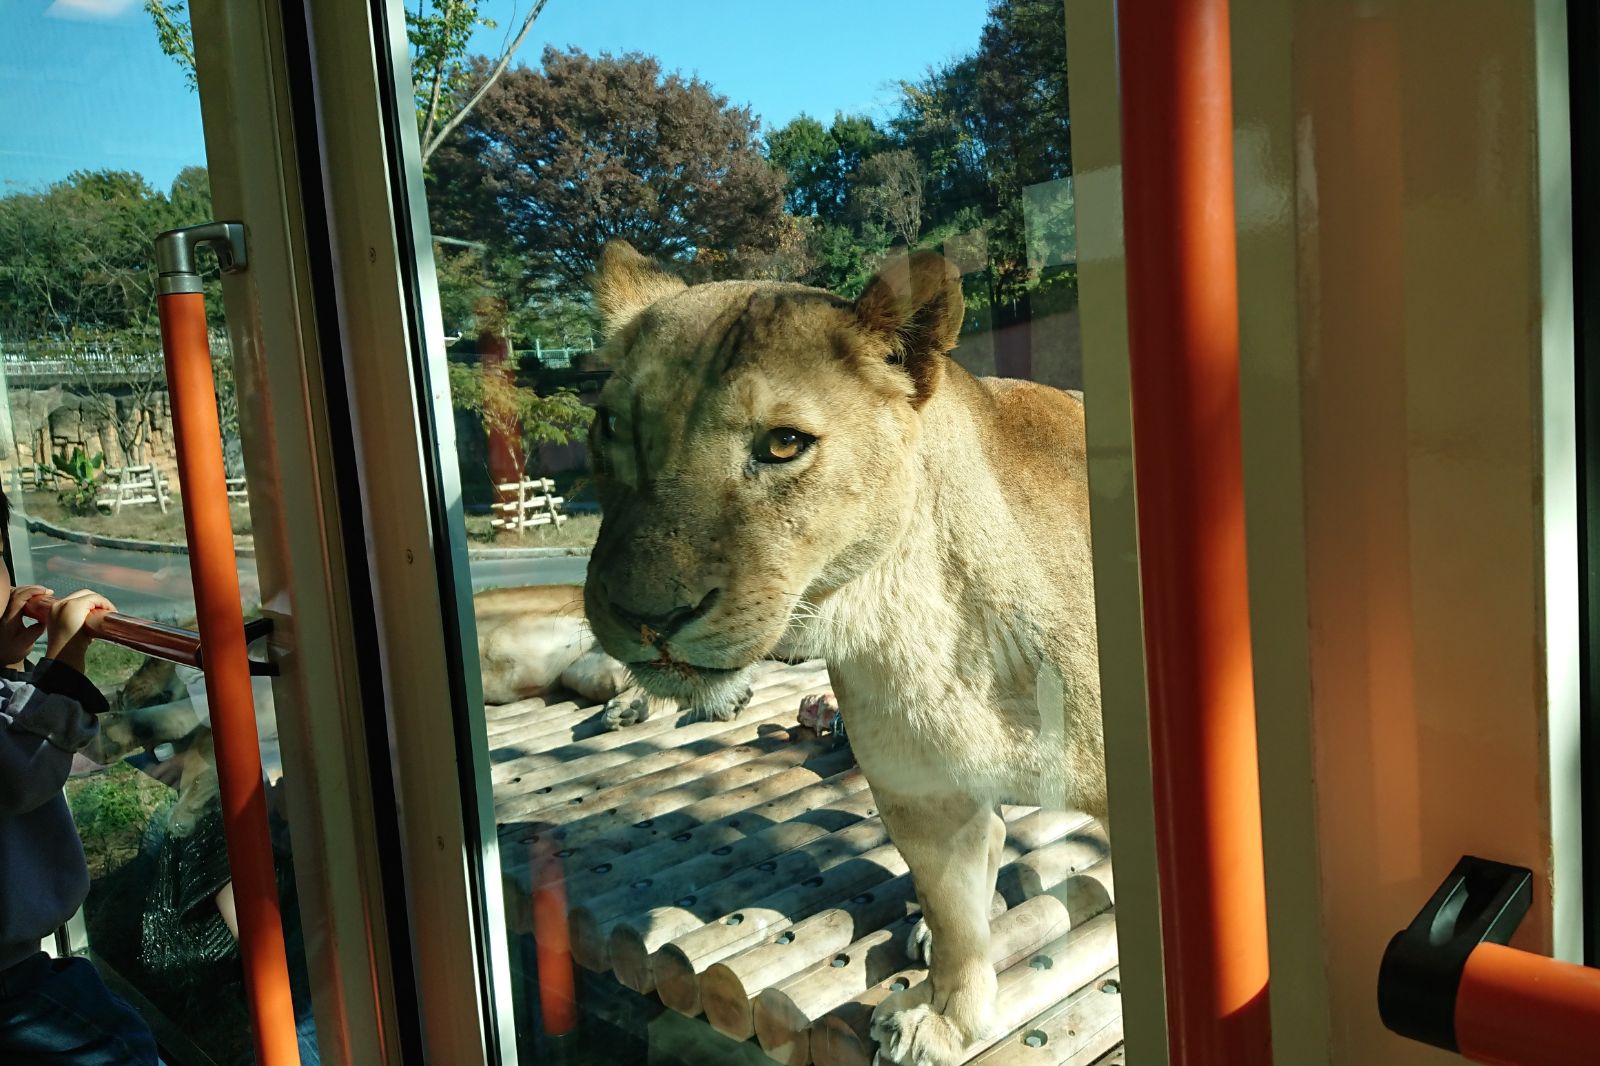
[(45, 717)]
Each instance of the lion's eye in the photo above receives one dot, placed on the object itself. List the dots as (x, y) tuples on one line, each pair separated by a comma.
[(782, 445)]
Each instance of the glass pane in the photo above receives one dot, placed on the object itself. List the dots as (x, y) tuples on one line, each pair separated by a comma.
[(748, 535), (103, 150)]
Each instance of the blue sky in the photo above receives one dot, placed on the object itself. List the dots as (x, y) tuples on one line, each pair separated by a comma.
[(92, 90)]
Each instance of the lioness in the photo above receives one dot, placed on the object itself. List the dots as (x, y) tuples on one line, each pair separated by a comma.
[(777, 465)]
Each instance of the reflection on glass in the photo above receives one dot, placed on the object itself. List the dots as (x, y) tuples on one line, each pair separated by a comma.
[(743, 491), (103, 151)]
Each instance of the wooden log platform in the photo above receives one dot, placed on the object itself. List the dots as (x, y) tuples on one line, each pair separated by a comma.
[(737, 873)]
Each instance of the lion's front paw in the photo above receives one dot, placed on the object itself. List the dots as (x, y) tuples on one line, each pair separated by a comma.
[(630, 707), (918, 1036), (722, 710), (925, 1026)]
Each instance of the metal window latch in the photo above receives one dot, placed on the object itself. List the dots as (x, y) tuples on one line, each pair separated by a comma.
[(175, 250), (254, 630)]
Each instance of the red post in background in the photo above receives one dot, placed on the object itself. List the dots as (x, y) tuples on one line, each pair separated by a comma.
[(558, 1001), (494, 357), (1183, 336), (208, 526)]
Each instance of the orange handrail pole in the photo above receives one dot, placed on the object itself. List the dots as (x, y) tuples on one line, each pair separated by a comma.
[(1449, 980), (139, 634), (1514, 1008), (1183, 337), (209, 529)]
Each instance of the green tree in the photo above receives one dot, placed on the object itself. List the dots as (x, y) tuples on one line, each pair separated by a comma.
[(990, 125), (78, 258), (888, 194), (77, 271), (445, 81), (820, 164), (557, 161), (822, 168), (525, 419)]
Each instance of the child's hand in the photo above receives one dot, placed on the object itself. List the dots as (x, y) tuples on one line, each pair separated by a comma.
[(19, 633), (69, 637)]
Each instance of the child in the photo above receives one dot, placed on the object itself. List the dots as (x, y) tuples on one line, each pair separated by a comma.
[(52, 1011)]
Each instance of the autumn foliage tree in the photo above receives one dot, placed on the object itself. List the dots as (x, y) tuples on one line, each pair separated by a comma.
[(556, 161), (516, 414)]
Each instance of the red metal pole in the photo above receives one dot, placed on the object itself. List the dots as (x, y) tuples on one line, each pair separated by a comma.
[(209, 528), (1183, 326), (1514, 1008)]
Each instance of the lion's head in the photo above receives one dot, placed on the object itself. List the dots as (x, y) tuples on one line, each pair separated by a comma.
[(751, 454)]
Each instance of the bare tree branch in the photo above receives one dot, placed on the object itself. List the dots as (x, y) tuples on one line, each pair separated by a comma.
[(431, 118), (429, 146)]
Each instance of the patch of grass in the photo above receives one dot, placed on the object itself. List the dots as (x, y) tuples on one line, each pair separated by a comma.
[(578, 531), (109, 665), (144, 522), (111, 809)]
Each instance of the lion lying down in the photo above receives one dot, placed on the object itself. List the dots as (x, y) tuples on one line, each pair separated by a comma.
[(534, 640), (779, 466)]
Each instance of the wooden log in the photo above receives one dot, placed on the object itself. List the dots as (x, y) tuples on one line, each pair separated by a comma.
[(783, 1013), (636, 938), (678, 964), (614, 810), (1051, 865), (591, 923), (525, 717), (841, 1037), (847, 791), (501, 716), (535, 716), (566, 722), (637, 821), (692, 741), (729, 987), (591, 861), (516, 812), (1082, 1028), (1088, 893), (628, 747), (779, 700)]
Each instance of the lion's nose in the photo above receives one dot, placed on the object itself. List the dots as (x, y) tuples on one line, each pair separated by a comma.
[(669, 622)]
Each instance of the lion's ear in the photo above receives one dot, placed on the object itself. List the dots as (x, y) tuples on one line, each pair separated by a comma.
[(914, 304), (625, 283)]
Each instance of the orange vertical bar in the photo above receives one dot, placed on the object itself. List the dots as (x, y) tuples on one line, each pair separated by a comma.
[(1514, 1008), (209, 528), (558, 1001), (1183, 333)]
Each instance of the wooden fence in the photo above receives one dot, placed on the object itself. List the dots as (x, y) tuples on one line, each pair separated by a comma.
[(130, 486), (532, 502)]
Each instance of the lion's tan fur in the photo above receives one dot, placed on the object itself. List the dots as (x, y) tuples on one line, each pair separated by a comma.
[(932, 545)]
